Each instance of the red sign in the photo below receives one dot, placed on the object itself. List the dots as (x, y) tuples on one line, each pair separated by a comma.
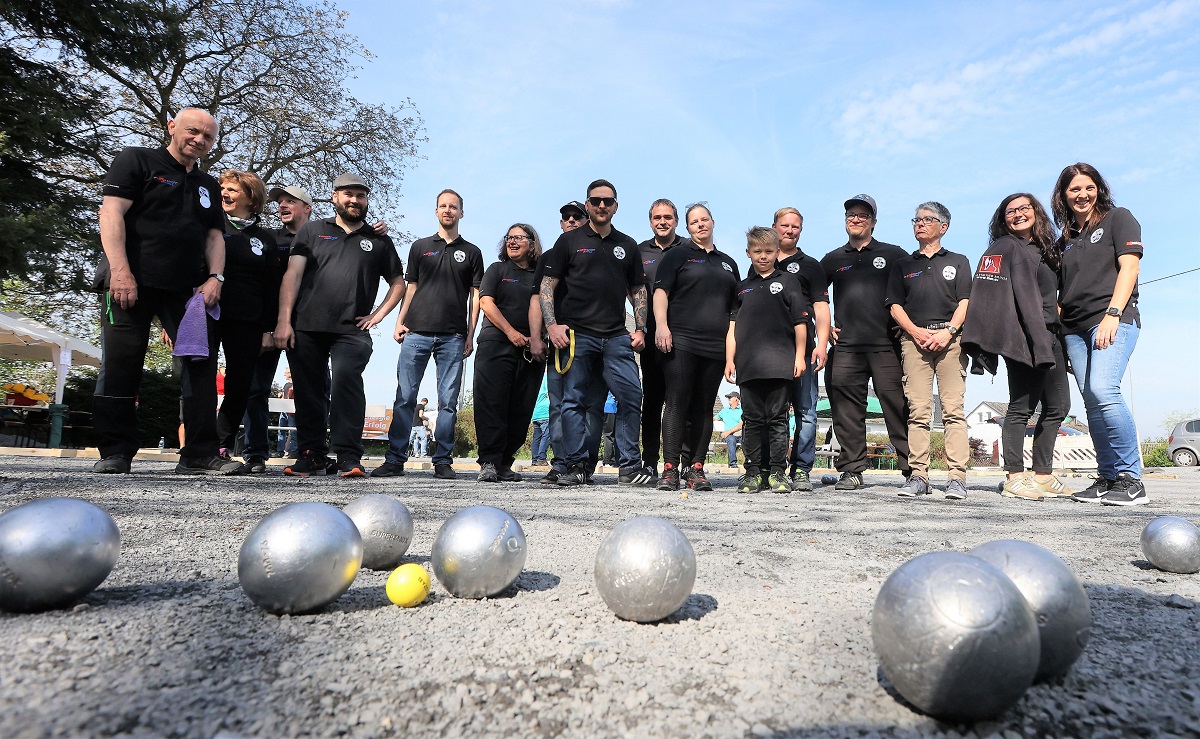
[(990, 264)]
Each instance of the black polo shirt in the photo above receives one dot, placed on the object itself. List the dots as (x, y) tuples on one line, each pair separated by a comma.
[(701, 287), (859, 279), (599, 272), (929, 288), (254, 268), (808, 272), (284, 238), (166, 228), (342, 274), (766, 312), (445, 274), (508, 285), (1089, 271)]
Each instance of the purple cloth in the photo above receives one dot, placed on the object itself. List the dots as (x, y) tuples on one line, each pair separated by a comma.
[(191, 341)]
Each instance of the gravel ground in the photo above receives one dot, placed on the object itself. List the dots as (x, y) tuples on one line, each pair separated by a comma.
[(775, 639)]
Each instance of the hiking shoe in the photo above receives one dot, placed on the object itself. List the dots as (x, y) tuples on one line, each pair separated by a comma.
[(307, 465), (696, 479), (956, 490), (506, 474), (1094, 492), (214, 465), (913, 487), (849, 481), (444, 472), (253, 466), (1127, 490), (572, 477), (670, 477), (388, 469), (778, 482), (1021, 486), (751, 483), (113, 464), (1052, 487), (643, 476), (487, 473), (350, 468), (550, 478), (800, 482)]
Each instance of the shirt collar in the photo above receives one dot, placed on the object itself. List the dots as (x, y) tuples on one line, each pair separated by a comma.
[(753, 273), (917, 254)]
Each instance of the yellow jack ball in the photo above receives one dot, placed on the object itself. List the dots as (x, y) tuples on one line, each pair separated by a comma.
[(408, 585)]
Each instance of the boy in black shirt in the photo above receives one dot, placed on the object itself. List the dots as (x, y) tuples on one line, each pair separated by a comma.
[(764, 354)]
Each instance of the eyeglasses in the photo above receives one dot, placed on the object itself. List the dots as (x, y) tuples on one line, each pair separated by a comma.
[(858, 216), (607, 202), (516, 239), (1025, 209), (927, 220), (574, 217)]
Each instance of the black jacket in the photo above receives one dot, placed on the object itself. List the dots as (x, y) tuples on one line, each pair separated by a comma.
[(1005, 316)]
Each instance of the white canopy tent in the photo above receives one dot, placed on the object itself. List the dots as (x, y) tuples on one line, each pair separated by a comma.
[(26, 339)]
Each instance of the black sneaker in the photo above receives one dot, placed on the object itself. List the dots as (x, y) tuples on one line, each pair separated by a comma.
[(572, 477), (214, 465), (1094, 492), (487, 473), (550, 478), (589, 477), (253, 466), (506, 474), (640, 476), (444, 472), (750, 483), (800, 482), (113, 464), (350, 468), (849, 481), (1126, 490), (309, 464), (388, 469), (670, 477), (696, 479)]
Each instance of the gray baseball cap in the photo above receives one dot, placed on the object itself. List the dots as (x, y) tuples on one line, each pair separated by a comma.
[(298, 193), (350, 180), (866, 200)]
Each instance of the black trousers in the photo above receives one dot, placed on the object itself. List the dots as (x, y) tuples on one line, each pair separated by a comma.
[(687, 422), (765, 413), (124, 336), (258, 414), (242, 341), (654, 393), (846, 377), (341, 358), (1026, 387), (505, 391)]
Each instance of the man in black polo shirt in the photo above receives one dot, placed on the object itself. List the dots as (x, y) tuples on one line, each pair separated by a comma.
[(927, 296), (437, 319), (865, 348), (600, 267), (325, 316), (161, 227), (788, 223)]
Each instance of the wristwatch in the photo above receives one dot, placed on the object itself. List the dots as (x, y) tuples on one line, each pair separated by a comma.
[(640, 328), (1113, 312), (219, 277), (952, 329)]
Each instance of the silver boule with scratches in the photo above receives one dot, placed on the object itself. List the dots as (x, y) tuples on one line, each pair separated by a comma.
[(386, 527), (478, 552), (1172, 544), (645, 569)]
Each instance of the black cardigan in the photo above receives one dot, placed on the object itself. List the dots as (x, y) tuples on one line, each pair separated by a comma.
[(1005, 315)]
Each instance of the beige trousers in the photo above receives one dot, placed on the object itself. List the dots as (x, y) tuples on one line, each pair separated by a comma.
[(949, 366)]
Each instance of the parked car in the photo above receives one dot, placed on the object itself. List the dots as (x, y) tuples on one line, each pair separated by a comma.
[(1184, 444)]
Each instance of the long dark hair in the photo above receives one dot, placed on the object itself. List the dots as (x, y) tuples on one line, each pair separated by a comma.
[(535, 244), (1062, 210), (1043, 233)]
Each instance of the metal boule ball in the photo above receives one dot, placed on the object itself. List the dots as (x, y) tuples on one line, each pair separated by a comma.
[(299, 558), (645, 569), (955, 637), (54, 551), (1058, 600), (1172, 544), (478, 552), (829, 479), (386, 527)]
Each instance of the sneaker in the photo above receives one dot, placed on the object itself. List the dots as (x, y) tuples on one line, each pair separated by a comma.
[(913, 487), (550, 478), (506, 474), (1127, 490), (696, 479), (1021, 486), (214, 465), (572, 477), (388, 469), (732, 465), (778, 482), (800, 482), (307, 465), (538, 463), (350, 468), (1094, 492), (587, 477), (113, 464), (750, 483), (643, 476), (444, 472), (1051, 488), (956, 490), (253, 466), (849, 481), (670, 477), (487, 473)]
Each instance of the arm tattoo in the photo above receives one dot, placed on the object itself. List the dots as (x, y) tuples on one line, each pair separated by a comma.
[(640, 308), (546, 296)]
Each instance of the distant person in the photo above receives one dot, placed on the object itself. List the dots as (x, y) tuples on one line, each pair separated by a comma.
[(608, 447), (539, 445), (731, 422), (287, 445), (418, 433)]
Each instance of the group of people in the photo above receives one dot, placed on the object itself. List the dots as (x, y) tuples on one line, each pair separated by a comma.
[(904, 321)]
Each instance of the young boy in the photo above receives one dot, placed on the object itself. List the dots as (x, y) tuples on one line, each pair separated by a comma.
[(764, 353)]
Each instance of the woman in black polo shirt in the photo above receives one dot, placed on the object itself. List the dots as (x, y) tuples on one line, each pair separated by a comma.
[(507, 377), (694, 290), (249, 297), (1101, 252)]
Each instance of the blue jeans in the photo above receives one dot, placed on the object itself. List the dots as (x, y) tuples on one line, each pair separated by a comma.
[(1098, 374), (415, 352), (541, 438), (731, 443), (418, 441), (600, 363), (804, 401), (287, 438)]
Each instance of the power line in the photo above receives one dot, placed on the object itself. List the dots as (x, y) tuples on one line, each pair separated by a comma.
[(1158, 279)]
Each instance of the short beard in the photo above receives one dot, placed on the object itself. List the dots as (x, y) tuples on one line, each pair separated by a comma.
[(345, 214)]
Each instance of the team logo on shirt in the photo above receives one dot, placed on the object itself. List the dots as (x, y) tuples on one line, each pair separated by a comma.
[(949, 273), (776, 288), (879, 262), (648, 261), (509, 279), (990, 264), (843, 269), (431, 253), (743, 292), (584, 250), (205, 200), (1097, 235), (911, 275), (256, 246), (726, 266), (619, 252), (695, 261), (459, 256), (366, 245), (794, 267), (165, 181), (327, 237)]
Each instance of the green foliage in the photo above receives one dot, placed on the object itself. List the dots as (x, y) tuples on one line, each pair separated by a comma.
[(1154, 453), (464, 433), (158, 404)]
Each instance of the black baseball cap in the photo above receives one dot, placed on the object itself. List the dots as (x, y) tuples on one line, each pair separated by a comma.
[(573, 205)]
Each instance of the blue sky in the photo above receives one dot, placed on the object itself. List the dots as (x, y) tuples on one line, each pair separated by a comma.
[(755, 105)]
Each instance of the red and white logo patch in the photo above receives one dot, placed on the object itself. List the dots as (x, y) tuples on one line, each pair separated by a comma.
[(990, 264)]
